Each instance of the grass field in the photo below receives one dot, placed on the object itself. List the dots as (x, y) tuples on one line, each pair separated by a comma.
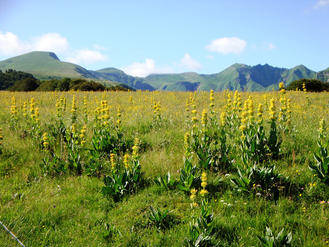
[(90, 169)]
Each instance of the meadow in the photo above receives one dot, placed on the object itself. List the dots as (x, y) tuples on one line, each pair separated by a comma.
[(164, 168)]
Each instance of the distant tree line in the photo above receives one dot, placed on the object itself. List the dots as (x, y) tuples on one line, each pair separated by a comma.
[(20, 81), (311, 85)]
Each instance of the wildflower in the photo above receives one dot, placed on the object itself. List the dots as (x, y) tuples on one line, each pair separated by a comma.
[(45, 141), (25, 109), (135, 148), (193, 194), (204, 118), (112, 160), (212, 99), (281, 85), (223, 118), (203, 184), (126, 160), (186, 140), (203, 192), (272, 110), (74, 129), (82, 135)]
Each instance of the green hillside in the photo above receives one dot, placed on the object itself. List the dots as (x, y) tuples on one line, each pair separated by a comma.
[(164, 80), (45, 65), (114, 74)]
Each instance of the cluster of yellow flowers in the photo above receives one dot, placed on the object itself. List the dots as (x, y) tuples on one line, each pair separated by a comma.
[(244, 117), (223, 118), (113, 163), (272, 110), (13, 108), (45, 141), (156, 110), (194, 116), (204, 118), (135, 148), (187, 144), (237, 102), (60, 106), (103, 112), (203, 191), (212, 101), (281, 87), (25, 109), (34, 111), (126, 160), (83, 135), (74, 109)]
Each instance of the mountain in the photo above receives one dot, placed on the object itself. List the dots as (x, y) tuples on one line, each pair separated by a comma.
[(236, 77), (323, 75), (45, 65)]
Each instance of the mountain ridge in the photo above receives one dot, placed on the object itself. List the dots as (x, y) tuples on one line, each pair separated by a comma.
[(46, 65)]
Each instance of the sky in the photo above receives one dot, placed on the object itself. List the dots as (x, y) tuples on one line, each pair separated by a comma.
[(169, 36)]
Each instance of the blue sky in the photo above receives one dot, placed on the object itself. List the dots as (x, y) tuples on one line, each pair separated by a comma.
[(159, 36)]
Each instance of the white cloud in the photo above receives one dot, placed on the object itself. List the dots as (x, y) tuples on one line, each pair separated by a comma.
[(227, 45), (321, 3), (189, 63), (86, 56), (50, 42), (11, 45), (145, 68)]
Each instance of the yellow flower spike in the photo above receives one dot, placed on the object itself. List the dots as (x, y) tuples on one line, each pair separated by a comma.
[(135, 148), (203, 192), (45, 141), (73, 129), (193, 194), (186, 140), (223, 118), (126, 160), (272, 110), (112, 160), (281, 85), (204, 180)]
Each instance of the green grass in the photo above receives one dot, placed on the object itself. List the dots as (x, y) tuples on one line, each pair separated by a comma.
[(70, 210)]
